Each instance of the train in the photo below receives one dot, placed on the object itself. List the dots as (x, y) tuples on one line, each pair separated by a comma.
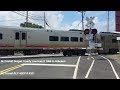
[(109, 42), (32, 41)]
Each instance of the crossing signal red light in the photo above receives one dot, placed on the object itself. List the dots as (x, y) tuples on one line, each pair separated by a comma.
[(86, 31), (94, 31)]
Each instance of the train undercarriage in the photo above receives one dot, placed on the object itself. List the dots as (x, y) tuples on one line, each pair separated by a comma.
[(66, 52)]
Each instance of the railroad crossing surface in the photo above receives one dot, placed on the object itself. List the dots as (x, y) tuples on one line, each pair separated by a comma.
[(59, 67)]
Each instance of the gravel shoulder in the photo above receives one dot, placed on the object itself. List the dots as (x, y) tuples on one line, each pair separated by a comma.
[(114, 57)]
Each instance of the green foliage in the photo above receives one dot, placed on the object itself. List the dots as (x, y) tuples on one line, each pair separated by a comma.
[(30, 25)]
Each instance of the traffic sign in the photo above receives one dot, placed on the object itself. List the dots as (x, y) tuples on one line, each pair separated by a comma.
[(90, 22)]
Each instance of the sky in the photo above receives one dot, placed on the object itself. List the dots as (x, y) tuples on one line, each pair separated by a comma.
[(60, 20)]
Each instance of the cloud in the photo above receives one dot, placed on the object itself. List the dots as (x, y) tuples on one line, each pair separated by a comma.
[(9, 18), (101, 20), (55, 19), (93, 13), (102, 26)]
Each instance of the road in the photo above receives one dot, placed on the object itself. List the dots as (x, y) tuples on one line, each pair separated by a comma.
[(59, 67)]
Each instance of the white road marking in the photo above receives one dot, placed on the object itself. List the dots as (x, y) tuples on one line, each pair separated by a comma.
[(27, 56), (49, 64), (76, 68), (112, 67), (90, 68)]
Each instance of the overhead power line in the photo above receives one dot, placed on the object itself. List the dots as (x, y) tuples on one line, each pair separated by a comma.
[(81, 21), (48, 23), (11, 20), (24, 15), (33, 17)]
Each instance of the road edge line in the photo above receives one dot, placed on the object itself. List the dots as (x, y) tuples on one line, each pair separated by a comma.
[(112, 67)]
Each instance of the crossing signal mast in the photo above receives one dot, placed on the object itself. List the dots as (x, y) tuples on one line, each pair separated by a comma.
[(90, 34)]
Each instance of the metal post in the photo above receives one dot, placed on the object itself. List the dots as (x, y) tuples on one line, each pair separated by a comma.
[(82, 21), (89, 56), (26, 18), (44, 21), (90, 49), (97, 45), (108, 23)]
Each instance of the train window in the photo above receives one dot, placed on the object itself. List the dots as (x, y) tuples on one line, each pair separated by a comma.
[(114, 41), (53, 38), (81, 39), (64, 38), (74, 39), (23, 36), (102, 38), (17, 35), (1, 36)]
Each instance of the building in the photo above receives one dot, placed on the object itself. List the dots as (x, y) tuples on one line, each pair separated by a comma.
[(117, 15)]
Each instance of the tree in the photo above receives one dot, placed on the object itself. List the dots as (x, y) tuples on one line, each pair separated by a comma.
[(30, 25)]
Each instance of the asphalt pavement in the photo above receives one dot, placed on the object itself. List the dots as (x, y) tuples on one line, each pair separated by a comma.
[(59, 67)]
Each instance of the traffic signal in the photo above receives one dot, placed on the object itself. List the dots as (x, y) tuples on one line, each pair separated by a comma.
[(94, 31), (86, 31)]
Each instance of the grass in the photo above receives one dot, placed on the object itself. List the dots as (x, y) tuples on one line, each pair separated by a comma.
[(114, 56)]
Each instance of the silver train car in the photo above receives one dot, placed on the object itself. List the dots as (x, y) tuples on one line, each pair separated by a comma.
[(30, 41), (109, 42)]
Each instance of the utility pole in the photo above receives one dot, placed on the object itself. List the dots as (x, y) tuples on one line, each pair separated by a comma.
[(44, 21), (26, 18), (108, 23), (82, 21)]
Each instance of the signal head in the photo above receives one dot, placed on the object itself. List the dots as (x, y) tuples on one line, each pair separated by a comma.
[(94, 31), (86, 31)]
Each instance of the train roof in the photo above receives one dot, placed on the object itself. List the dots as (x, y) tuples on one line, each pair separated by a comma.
[(109, 33), (14, 28), (37, 29)]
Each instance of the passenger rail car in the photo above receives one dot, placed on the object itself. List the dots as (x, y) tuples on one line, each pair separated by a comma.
[(109, 42), (31, 41)]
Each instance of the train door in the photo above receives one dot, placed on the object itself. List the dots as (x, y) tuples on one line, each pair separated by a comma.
[(20, 39), (23, 39), (1, 39)]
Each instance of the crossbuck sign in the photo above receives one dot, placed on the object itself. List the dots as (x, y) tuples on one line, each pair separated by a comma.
[(90, 23)]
